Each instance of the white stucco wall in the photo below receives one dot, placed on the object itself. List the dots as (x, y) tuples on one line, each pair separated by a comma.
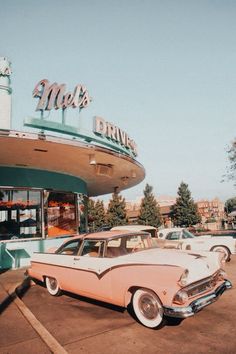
[(5, 109)]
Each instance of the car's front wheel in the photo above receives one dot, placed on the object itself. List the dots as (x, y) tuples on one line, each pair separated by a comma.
[(147, 308), (52, 286), (224, 250)]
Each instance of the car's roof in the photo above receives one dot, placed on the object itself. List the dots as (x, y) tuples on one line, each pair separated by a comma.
[(171, 229), (104, 235), (166, 231), (133, 227)]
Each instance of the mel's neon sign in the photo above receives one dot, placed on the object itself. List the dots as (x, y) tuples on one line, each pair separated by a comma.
[(55, 96)]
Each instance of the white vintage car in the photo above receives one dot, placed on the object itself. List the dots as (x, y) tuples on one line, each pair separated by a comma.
[(183, 239), (123, 268), (135, 227)]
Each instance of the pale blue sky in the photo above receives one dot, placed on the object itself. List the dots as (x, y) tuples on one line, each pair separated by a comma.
[(163, 71)]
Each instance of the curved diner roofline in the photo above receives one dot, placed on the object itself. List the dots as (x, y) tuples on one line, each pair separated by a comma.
[(102, 169)]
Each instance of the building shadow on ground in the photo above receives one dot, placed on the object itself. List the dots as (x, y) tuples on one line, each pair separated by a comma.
[(19, 292)]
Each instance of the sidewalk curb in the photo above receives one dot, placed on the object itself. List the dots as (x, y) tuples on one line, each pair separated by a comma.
[(53, 345)]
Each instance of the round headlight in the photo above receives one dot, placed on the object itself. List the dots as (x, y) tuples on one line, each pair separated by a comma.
[(181, 297), (221, 274)]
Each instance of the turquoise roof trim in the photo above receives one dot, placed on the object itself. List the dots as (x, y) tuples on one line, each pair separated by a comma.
[(32, 178)]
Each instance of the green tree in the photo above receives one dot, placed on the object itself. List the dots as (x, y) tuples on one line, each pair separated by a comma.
[(230, 205), (96, 214), (116, 212), (231, 172), (91, 214), (185, 212), (149, 210), (100, 214)]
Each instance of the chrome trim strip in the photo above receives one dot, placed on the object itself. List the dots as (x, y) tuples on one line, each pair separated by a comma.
[(201, 282), (197, 305), (97, 272)]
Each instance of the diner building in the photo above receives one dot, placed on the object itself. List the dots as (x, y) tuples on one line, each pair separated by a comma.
[(49, 169)]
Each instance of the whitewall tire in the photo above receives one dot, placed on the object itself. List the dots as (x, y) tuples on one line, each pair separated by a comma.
[(147, 308), (52, 286)]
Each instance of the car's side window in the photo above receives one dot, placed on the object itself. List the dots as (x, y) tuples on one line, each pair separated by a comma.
[(92, 248), (125, 245), (114, 248), (136, 243), (175, 235), (187, 234), (70, 248)]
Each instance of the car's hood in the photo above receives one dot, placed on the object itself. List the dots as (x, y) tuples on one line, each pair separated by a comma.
[(200, 265)]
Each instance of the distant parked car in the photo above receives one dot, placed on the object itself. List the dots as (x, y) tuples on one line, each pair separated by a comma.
[(183, 239), (122, 268), (150, 229), (104, 228)]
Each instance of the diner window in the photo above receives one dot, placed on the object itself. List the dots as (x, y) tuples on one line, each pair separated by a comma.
[(20, 214), (60, 213)]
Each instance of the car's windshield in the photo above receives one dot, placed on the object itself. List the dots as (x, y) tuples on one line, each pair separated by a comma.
[(92, 248), (187, 234), (174, 235), (70, 248)]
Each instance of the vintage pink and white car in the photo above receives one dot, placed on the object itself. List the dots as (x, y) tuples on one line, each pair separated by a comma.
[(123, 268)]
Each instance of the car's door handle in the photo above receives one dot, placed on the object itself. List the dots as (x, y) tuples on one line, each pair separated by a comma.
[(76, 258)]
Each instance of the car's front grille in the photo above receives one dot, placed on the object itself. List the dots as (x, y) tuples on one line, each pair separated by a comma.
[(203, 285)]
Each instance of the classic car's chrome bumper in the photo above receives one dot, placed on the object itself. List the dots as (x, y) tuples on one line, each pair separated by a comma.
[(197, 305)]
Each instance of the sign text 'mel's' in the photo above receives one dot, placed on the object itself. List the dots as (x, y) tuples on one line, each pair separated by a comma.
[(55, 96)]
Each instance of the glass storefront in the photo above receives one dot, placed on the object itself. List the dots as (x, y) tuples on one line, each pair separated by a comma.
[(60, 213), (29, 213), (20, 214)]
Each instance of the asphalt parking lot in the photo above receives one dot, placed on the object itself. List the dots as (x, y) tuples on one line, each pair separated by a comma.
[(83, 326)]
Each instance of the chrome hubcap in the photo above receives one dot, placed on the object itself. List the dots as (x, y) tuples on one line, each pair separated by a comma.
[(53, 283), (148, 306)]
